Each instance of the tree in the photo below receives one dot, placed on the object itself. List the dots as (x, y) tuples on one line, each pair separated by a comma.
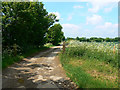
[(107, 39), (25, 23), (55, 34), (116, 39), (93, 38), (77, 38), (83, 39), (69, 38)]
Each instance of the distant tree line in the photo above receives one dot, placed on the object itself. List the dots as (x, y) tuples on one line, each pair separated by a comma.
[(95, 39), (28, 24)]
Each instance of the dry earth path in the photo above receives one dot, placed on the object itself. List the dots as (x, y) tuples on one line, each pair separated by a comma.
[(41, 71)]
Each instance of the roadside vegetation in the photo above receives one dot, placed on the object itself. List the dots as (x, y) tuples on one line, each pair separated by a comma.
[(91, 64), (8, 57), (26, 28)]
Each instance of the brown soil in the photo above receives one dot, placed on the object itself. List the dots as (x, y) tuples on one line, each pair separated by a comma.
[(41, 71)]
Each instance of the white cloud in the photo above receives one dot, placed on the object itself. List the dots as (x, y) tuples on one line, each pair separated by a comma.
[(108, 9), (69, 18), (57, 14), (78, 0), (107, 29), (95, 19), (99, 0), (111, 7), (87, 4), (107, 26), (71, 30), (78, 7), (94, 9), (98, 4)]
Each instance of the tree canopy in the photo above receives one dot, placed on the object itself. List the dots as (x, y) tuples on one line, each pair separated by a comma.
[(96, 39), (55, 34), (26, 23)]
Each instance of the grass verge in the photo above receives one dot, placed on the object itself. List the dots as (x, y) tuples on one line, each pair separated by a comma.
[(90, 73), (8, 60)]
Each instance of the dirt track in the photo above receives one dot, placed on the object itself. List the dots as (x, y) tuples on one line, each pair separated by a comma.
[(41, 71)]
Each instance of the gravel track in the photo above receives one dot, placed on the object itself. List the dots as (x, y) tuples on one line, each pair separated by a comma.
[(41, 71)]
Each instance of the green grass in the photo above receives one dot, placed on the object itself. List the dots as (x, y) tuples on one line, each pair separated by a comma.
[(100, 51), (9, 59), (91, 65), (78, 72)]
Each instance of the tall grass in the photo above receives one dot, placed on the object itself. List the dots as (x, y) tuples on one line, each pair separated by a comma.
[(100, 51), (78, 73), (91, 64)]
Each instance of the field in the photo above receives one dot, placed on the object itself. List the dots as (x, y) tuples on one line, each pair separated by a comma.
[(91, 64)]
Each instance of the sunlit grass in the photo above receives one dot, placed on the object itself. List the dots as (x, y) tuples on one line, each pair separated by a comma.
[(91, 65), (100, 51), (90, 74)]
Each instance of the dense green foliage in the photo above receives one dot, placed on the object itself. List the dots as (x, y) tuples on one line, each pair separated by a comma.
[(25, 23), (55, 35), (24, 28), (95, 39)]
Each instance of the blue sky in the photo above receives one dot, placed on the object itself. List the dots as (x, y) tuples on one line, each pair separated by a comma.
[(86, 19)]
